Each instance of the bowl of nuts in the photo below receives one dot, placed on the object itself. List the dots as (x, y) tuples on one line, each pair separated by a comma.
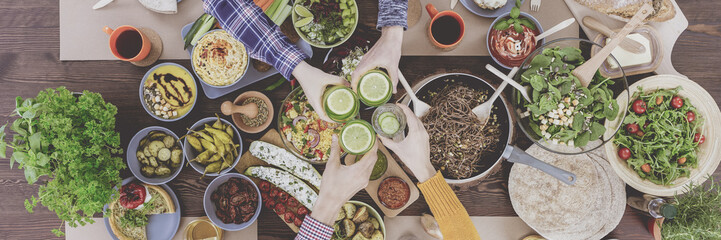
[(168, 92)]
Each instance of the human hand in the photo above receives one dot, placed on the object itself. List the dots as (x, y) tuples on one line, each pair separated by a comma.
[(386, 53), (314, 82), (341, 182), (414, 150)]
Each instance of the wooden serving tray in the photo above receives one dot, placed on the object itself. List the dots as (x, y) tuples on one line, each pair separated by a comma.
[(248, 160), (393, 170)]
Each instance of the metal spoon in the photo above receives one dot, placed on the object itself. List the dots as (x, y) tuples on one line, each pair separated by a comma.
[(508, 80), (419, 107), (483, 111)]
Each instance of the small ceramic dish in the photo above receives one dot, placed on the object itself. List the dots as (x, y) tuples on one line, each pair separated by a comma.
[(210, 208), (142, 94), (503, 16), (205, 84), (655, 48), (475, 9), (237, 116), (135, 165), (190, 154)]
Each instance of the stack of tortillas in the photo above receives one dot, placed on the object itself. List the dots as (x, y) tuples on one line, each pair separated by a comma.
[(161, 6), (589, 209)]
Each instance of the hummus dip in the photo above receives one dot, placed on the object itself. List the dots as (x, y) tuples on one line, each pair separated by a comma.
[(219, 59)]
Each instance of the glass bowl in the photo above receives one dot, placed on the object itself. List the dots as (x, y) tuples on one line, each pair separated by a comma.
[(620, 86), (285, 124)]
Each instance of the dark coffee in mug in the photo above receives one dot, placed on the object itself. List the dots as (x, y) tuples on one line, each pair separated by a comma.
[(129, 43), (446, 30)]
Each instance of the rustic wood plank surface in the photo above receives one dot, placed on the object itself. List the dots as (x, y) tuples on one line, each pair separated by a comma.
[(29, 52)]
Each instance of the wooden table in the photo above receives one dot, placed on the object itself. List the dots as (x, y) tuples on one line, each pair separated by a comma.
[(29, 52)]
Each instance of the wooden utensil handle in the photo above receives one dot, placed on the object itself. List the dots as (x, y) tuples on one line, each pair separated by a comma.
[(594, 24), (636, 21)]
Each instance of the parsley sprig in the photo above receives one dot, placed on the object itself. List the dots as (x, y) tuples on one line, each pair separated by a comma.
[(72, 141), (699, 213)]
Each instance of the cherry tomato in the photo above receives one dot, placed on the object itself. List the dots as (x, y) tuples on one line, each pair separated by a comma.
[(302, 211), (298, 222), (279, 208), (698, 138), (264, 186), (292, 202), (681, 160), (274, 192), (289, 217), (639, 106), (283, 197), (659, 100), (690, 116), (269, 203), (632, 128), (646, 168), (640, 133), (676, 102), (624, 153)]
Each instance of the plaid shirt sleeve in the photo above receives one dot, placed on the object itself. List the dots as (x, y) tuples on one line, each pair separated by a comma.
[(246, 22), (312, 229)]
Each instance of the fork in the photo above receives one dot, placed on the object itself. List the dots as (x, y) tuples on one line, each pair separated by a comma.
[(535, 5)]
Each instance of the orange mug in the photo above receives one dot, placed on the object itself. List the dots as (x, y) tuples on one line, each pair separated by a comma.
[(127, 43), (449, 28)]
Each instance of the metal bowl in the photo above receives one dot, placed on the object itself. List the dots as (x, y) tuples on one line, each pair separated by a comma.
[(132, 159), (209, 206), (190, 154), (619, 87)]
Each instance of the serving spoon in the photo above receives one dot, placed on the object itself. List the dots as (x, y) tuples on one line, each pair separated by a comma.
[(585, 72), (419, 107), (483, 111), (627, 44), (508, 80), (560, 26)]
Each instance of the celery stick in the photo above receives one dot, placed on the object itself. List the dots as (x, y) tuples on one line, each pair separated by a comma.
[(283, 15), (272, 9), (283, 4)]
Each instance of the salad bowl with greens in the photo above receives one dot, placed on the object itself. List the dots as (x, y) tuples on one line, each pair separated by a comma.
[(325, 23), (563, 116)]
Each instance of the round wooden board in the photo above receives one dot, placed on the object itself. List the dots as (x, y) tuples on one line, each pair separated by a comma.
[(709, 152), (414, 12), (156, 48)]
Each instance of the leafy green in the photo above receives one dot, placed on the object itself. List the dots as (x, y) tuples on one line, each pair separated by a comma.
[(667, 136), (514, 20), (699, 214), (554, 88), (73, 143)]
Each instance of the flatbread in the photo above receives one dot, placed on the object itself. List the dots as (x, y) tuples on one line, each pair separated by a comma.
[(140, 232), (161, 6), (587, 210)]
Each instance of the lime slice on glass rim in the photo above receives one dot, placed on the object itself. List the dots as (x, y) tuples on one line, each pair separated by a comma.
[(340, 103), (375, 88), (357, 137), (302, 11), (389, 125)]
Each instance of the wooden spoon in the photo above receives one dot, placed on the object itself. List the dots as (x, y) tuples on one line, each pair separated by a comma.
[(483, 111), (250, 109), (419, 107), (585, 72), (627, 44)]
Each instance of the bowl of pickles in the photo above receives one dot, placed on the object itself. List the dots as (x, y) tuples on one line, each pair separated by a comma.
[(155, 155), (212, 146)]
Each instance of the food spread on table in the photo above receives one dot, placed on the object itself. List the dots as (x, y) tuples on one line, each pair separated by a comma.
[(662, 135), (69, 139), (128, 215), (159, 154)]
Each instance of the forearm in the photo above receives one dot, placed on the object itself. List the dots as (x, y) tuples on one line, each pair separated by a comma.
[(452, 217), (392, 13), (246, 22)]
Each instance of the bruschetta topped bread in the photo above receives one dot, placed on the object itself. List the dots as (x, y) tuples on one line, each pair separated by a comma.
[(625, 9), (129, 213)]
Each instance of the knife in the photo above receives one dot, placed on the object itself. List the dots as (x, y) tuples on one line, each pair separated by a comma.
[(627, 44), (102, 3), (453, 4)]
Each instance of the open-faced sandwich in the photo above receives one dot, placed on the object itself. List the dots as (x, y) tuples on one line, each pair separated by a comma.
[(625, 9), (129, 213)]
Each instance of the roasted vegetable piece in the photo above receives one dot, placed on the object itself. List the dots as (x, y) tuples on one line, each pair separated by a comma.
[(195, 143), (153, 161), (349, 210), (162, 171), (359, 236), (154, 147), (176, 156), (148, 171), (164, 154), (348, 227), (375, 223), (377, 235), (341, 215), (361, 215), (169, 141), (367, 229)]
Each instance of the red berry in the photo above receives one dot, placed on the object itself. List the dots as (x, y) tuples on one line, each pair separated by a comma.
[(624, 153), (639, 106), (690, 116), (698, 138), (632, 128), (676, 102)]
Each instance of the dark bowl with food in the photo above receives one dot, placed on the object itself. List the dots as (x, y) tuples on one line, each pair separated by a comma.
[(567, 118), (503, 46), (155, 155), (232, 202), (482, 147)]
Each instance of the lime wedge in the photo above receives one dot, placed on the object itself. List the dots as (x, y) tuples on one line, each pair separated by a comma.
[(340, 102), (357, 137), (303, 22), (374, 88), (390, 125), (302, 11)]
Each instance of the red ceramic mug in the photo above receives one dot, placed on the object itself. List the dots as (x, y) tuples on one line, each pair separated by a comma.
[(128, 43), (449, 30)]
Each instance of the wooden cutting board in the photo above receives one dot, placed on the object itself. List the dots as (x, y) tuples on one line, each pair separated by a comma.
[(393, 170), (669, 30), (97, 231), (248, 160)]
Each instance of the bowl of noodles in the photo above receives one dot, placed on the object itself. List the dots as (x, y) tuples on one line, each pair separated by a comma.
[(462, 148)]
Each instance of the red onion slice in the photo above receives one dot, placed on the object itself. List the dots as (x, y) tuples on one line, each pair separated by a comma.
[(298, 119), (316, 137)]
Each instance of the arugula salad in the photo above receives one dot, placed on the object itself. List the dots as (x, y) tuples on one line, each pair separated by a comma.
[(661, 137), (561, 110)]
